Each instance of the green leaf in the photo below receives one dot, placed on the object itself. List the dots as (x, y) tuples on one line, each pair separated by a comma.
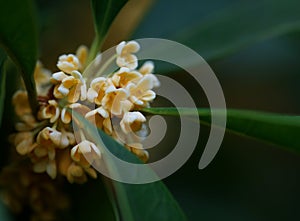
[(104, 13), (218, 28), (18, 36), (273, 128), (95, 204), (2, 83), (4, 214), (135, 202)]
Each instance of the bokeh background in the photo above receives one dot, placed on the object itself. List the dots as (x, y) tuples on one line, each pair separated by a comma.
[(248, 179)]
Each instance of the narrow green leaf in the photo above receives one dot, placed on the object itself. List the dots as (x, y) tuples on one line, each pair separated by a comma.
[(18, 36), (135, 202), (2, 82), (146, 202), (273, 128), (104, 13)]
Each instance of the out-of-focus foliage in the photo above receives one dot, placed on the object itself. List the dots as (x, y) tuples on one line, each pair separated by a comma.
[(104, 12), (18, 36), (220, 27), (2, 81)]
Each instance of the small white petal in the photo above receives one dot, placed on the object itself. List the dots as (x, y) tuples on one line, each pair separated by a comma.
[(95, 148), (85, 147), (147, 68), (102, 112), (91, 95), (76, 74), (110, 89), (51, 169), (96, 81), (63, 90), (83, 92), (133, 46), (75, 105), (59, 76), (51, 153), (120, 47), (73, 153), (91, 113)]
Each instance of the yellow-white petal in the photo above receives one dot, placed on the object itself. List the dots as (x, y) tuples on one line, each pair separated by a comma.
[(68, 63)]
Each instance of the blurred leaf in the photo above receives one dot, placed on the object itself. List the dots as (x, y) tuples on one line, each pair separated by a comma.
[(126, 22), (94, 205), (146, 202), (273, 128), (12, 80), (236, 27), (104, 13), (135, 202), (222, 27), (18, 36), (4, 214), (2, 83)]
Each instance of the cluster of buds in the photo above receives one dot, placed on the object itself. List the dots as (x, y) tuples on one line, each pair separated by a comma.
[(49, 139), (25, 189)]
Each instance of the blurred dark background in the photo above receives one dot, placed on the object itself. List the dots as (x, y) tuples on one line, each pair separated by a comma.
[(248, 179)]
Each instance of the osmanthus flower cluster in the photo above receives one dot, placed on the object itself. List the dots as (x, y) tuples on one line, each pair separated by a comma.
[(49, 139)]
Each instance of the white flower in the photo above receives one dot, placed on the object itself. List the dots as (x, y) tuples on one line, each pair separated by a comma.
[(66, 116), (100, 118), (68, 63), (141, 93), (85, 149), (132, 121), (116, 101), (147, 68), (23, 111), (81, 54), (21, 103), (73, 87), (97, 89), (124, 76), (53, 138), (67, 138), (45, 165), (76, 173), (24, 142), (41, 77), (125, 57), (50, 111), (58, 77)]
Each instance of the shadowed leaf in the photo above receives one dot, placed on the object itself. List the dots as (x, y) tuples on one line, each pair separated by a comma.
[(18, 36), (2, 83), (104, 13), (135, 202), (273, 128)]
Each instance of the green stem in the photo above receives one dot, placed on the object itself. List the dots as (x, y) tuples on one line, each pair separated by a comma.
[(95, 47)]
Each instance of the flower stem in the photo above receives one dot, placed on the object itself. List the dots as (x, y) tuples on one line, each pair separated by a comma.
[(95, 47)]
